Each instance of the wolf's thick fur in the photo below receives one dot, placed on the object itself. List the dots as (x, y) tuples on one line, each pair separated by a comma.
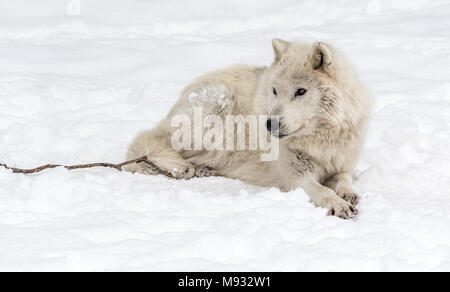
[(323, 110)]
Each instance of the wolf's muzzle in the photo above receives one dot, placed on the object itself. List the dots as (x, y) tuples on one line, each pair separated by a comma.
[(273, 126), (269, 125)]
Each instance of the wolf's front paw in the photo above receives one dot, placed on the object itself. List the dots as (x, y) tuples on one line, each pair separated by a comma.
[(342, 209), (206, 171), (351, 197)]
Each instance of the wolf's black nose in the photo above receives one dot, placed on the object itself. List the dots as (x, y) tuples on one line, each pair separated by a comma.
[(269, 125)]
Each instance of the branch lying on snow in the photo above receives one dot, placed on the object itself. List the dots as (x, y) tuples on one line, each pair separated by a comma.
[(118, 167)]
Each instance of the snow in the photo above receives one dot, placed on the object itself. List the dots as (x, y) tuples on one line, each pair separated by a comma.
[(79, 79)]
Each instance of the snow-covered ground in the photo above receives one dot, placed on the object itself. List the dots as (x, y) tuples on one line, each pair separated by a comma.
[(78, 83)]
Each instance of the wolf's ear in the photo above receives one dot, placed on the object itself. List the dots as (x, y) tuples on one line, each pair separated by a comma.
[(322, 58), (279, 48)]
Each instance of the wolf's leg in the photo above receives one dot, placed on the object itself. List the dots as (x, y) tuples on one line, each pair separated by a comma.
[(341, 183), (307, 175), (326, 198), (209, 101), (207, 171), (202, 98), (156, 145)]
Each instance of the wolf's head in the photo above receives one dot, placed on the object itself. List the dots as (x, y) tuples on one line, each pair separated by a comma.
[(303, 88)]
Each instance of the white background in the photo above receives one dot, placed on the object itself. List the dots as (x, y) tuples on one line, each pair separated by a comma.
[(76, 85)]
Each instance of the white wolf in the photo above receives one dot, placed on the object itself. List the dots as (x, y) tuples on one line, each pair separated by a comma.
[(323, 112)]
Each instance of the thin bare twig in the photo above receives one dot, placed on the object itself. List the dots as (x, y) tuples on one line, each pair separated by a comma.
[(118, 167)]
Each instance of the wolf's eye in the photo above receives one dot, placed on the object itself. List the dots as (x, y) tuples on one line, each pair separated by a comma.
[(300, 92), (275, 91)]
